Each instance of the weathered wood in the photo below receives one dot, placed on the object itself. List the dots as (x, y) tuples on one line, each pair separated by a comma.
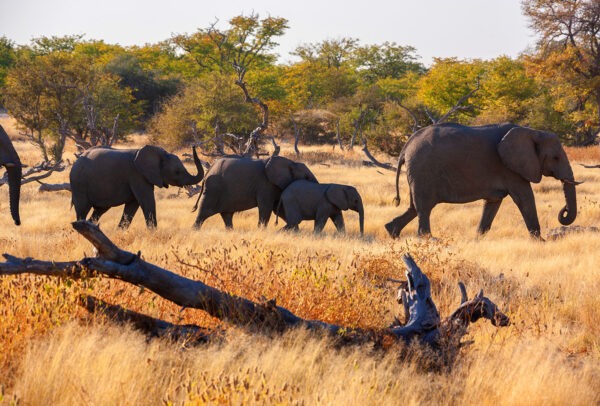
[(422, 318), (373, 161), (54, 187), (148, 325), (46, 169)]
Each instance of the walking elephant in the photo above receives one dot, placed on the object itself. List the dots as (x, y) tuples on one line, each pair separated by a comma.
[(451, 163), (303, 200), (236, 184), (10, 160), (104, 177)]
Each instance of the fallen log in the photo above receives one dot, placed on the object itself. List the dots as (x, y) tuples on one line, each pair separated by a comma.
[(149, 325), (422, 318), (54, 187)]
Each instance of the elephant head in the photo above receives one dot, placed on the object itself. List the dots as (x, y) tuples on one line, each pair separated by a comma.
[(281, 171), (347, 197), (531, 154), (163, 169), (10, 160)]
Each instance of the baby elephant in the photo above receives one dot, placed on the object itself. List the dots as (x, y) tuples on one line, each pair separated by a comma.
[(304, 200)]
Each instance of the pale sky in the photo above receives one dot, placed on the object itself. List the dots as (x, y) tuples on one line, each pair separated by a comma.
[(436, 28)]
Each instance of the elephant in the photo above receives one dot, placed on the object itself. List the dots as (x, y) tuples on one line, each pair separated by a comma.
[(452, 163), (10, 160), (235, 184), (303, 200), (105, 177)]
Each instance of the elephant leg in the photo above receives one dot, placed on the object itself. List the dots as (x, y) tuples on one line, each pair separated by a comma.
[(265, 208), (525, 201), (228, 220), (206, 209), (395, 226), (144, 194), (490, 209), (424, 226), (292, 216), (128, 213), (97, 213), (321, 219), (338, 221), (82, 210)]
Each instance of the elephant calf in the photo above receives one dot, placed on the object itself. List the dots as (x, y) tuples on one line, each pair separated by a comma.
[(303, 200), (104, 177)]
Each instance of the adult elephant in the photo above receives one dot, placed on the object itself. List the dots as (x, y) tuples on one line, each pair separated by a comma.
[(451, 163), (10, 160), (104, 177), (236, 184)]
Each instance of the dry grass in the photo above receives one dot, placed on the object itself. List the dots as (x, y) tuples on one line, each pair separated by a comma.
[(55, 353)]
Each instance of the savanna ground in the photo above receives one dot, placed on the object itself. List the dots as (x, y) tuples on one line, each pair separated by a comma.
[(53, 352)]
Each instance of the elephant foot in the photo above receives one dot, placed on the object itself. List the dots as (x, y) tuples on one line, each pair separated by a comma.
[(392, 229)]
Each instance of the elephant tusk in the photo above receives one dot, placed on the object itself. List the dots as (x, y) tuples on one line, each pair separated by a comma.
[(572, 182)]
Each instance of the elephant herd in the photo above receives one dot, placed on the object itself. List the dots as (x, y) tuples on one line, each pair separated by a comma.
[(445, 163)]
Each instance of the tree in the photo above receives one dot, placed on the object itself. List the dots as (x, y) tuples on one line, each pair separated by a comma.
[(506, 92), (568, 57), (388, 60), (60, 95), (7, 58), (243, 46), (448, 80), (147, 86), (207, 109)]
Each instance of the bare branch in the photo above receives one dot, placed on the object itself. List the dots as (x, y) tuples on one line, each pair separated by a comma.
[(459, 104)]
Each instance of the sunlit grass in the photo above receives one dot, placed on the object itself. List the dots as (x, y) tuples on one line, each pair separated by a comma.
[(53, 352)]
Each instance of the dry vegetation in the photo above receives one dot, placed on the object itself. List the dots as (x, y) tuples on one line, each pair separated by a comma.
[(53, 352)]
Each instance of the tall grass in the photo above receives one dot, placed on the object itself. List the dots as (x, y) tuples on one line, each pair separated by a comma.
[(53, 352)]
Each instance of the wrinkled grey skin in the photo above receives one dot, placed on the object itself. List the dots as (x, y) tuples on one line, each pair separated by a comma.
[(303, 200), (10, 160), (104, 177), (451, 163), (236, 184)]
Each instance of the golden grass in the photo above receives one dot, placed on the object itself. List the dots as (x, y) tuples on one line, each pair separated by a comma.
[(55, 353)]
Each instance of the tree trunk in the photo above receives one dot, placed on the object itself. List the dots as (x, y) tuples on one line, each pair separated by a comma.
[(337, 135)]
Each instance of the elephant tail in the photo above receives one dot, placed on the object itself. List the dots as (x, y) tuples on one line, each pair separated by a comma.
[(277, 212), (199, 196), (400, 163)]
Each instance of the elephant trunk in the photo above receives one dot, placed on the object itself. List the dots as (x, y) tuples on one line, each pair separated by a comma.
[(195, 179), (361, 218), (568, 213), (14, 190)]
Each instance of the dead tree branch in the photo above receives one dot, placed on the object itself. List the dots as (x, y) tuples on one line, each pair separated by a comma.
[(149, 325), (373, 161), (45, 168), (423, 321), (54, 187), (415, 126), (459, 106), (254, 139)]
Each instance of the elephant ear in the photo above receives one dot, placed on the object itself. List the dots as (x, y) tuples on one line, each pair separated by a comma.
[(337, 196), (279, 171), (518, 152), (148, 161)]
